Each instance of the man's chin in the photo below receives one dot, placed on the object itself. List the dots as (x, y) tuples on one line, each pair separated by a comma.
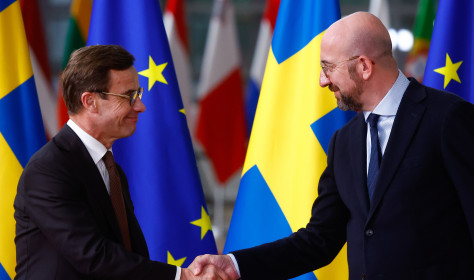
[(342, 106)]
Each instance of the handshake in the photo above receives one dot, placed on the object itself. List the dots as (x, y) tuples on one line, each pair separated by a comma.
[(211, 267)]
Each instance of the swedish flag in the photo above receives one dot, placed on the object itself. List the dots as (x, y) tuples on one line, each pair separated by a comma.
[(293, 124), (450, 59), (158, 159), (21, 126)]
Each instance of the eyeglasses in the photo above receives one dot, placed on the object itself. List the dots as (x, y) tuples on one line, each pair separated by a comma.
[(132, 96), (330, 67)]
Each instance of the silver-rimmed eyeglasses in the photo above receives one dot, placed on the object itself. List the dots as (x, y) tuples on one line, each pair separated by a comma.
[(330, 67), (132, 95)]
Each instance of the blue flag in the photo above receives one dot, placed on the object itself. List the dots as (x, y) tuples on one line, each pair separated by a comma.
[(290, 136), (158, 159), (450, 59)]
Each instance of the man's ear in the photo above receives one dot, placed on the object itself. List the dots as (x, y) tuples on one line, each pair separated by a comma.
[(89, 101), (366, 67)]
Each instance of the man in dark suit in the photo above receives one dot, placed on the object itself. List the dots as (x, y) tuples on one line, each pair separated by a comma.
[(73, 211), (399, 182)]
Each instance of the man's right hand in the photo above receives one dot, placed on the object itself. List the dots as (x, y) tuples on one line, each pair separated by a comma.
[(223, 263), (209, 272)]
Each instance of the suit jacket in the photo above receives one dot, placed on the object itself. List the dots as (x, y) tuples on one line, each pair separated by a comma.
[(420, 223), (65, 223)]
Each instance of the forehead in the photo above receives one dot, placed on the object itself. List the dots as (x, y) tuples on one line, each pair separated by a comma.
[(333, 43), (123, 80)]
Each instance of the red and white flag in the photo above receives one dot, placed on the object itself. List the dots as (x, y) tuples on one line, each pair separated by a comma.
[(221, 124), (264, 40), (40, 63), (177, 32)]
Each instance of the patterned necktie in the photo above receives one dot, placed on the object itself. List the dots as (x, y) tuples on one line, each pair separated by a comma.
[(116, 197), (375, 154)]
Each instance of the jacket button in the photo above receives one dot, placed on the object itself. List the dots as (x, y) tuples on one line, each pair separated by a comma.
[(369, 232), (362, 276)]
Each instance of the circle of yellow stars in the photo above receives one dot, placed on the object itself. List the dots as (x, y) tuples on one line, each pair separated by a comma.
[(449, 71)]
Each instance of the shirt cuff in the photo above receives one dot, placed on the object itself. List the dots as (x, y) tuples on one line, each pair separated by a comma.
[(236, 265), (178, 273)]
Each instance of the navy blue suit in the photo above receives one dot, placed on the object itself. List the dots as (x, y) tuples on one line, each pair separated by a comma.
[(65, 223), (420, 224)]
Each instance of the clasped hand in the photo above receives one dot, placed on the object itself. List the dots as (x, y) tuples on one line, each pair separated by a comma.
[(210, 267)]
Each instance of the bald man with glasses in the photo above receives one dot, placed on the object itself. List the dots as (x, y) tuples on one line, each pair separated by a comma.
[(399, 182)]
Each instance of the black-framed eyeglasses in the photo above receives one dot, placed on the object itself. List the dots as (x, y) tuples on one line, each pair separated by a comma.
[(132, 96), (330, 67)]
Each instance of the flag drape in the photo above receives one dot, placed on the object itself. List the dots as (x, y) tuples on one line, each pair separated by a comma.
[(158, 159), (450, 60), (21, 128), (220, 127), (293, 124), (76, 37), (40, 63), (422, 31), (260, 55), (177, 32)]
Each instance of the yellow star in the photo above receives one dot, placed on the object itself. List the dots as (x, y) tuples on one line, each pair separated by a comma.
[(182, 111), (154, 73), (449, 71), (204, 222), (172, 261)]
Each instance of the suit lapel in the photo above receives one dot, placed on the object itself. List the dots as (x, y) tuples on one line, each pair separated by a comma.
[(406, 122), (90, 177), (358, 160)]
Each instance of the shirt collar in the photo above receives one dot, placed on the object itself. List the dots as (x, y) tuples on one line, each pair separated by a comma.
[(390, 103), (96, 149)]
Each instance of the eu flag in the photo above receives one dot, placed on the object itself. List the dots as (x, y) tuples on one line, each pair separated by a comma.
[(21, 125), (450, 59), (158, 159), (293, 124)]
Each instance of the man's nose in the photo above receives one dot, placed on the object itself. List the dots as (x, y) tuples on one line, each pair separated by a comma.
[(139, 106), (323, 79)]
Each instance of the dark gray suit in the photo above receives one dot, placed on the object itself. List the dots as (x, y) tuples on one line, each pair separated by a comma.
[(420, 224), (65, 223)]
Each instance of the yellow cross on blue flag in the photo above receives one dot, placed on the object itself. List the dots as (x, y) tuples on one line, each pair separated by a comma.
[(450, 60), (294, 121), (21, 125), (158, 159)]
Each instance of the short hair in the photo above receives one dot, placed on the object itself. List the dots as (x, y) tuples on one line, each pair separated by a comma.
[(88, 71)]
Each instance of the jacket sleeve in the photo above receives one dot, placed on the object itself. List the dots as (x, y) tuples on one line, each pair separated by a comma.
[(458, 155)]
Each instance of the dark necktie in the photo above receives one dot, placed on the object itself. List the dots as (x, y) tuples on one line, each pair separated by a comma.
[(116, 197), (375, 154)]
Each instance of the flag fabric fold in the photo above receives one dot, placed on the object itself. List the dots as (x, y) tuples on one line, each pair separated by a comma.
[(294, 121), (158, 159), (259, 61), (177, 32), (76, 37), (220, 127), (40, 63), (450, 64), (21, 127), (422, 31)]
